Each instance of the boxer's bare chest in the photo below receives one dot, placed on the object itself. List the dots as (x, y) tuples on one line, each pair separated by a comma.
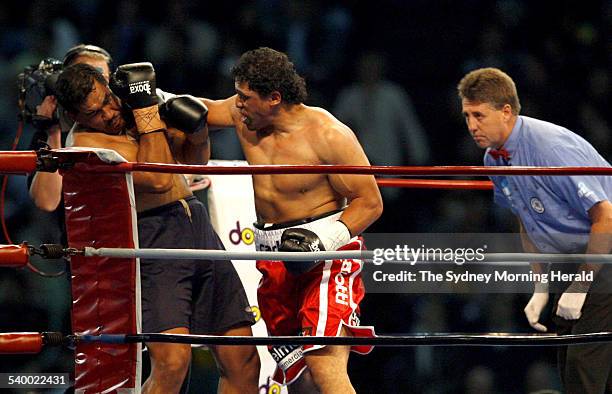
[(283, 197), (287, 148)]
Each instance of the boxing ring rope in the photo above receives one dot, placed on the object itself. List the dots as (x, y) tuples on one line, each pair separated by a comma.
[(87, 162), (451, 184), (34, 342), (335, 169), (18, 255), (23, 162), (492, 339), (367, 255)]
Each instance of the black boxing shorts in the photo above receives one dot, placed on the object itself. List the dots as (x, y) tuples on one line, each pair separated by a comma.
[(203, 295)]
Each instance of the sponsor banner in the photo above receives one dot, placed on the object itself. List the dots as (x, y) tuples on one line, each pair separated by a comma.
[(232, 212), (455, 263)]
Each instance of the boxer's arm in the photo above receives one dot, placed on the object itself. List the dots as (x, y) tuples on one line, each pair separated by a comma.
[(153, 148), (152, 143), (365, 205), (191, 148), (186, 128), (220, 112)]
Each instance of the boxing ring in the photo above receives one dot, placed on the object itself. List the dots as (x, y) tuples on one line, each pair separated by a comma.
[(103, 246)]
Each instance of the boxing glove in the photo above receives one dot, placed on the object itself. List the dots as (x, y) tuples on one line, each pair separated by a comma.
[(163, 96), (185, 113), (135, 84), (300, 240)]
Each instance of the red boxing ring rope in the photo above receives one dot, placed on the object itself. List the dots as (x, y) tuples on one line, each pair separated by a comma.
[(451, 184), (336, 169), (23, 162), (18, 162)]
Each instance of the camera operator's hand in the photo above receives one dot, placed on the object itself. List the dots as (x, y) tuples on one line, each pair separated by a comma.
[(46, 118), (46, 111), (47, 107), (46, 187)]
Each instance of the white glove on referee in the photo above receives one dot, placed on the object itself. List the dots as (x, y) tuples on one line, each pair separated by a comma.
[(536, 304), (570, 305)]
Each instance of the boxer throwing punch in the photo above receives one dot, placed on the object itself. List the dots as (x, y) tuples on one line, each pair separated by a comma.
[(301, 213)]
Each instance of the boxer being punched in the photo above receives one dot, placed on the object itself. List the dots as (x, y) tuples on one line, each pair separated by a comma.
[(301, 213), (203, 297)]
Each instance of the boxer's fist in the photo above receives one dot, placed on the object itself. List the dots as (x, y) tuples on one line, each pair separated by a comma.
[(185, 113), (163, 96), (134, 84), (300, 240)]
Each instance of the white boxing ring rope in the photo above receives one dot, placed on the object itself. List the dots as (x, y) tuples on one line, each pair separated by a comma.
[(366, 255)]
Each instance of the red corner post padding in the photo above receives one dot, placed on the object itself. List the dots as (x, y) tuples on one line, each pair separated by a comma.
[(17, 162), (105, 291), (20, 342), (14, 256)]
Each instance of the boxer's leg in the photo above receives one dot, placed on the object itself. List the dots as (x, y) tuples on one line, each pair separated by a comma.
[(169, 365), (238, 365), (328, 366)]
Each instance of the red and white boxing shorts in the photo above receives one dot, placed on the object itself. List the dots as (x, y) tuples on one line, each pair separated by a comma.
[(316, 303)]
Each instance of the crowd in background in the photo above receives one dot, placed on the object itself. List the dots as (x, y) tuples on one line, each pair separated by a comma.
[(387, 70)]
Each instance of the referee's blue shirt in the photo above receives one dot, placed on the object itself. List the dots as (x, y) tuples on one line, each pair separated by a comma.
[(553, 209)]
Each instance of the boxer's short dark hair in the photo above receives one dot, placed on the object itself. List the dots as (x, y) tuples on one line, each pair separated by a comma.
[(74, 85)]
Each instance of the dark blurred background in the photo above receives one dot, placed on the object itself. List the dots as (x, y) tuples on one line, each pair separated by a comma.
[(389, 70)]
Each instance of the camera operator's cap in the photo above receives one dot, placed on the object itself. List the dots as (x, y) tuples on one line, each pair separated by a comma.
[(80, 49)]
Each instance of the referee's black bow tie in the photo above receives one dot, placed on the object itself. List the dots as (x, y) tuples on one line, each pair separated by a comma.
[(501, 152)]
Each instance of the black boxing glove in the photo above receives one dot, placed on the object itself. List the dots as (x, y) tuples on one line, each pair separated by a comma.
[(135, 84), (300, 240), (331, 237), (185, 113), (163, 96)]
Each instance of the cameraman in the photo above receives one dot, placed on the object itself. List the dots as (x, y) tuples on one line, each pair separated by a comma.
[(45, 188)]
